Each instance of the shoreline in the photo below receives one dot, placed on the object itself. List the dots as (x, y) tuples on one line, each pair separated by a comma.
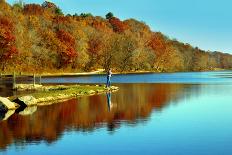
[(120, 73), (101, 72)]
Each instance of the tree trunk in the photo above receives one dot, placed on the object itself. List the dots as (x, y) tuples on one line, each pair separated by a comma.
[(14, 80), (34, 79), (1, 78), (40, 79)]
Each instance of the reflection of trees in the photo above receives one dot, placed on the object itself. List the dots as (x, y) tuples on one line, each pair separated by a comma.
[(133, 103)]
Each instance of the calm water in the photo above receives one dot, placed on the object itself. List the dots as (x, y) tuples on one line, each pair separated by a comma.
[(169, 115)]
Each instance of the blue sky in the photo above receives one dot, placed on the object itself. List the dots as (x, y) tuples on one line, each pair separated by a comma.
[(203, 23)]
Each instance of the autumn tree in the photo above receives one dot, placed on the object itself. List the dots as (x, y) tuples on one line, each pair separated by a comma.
[(117, 25), (95, 47), (66, 47), (45, 40), (5, 8), (142, 59), (7, 41), (200, 61), (158, 43), (33, 9)]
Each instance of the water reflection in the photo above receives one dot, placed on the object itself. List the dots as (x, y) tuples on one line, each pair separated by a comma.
[(24, 110), (109, 103), (132, 105)]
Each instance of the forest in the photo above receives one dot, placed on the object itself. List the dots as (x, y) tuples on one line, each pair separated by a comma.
[(39, 38)]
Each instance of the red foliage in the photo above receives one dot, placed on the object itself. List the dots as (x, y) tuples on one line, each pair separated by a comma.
[(34, 9), (118, 26), (66, 37), (7, 39), (71, 54), (6, 23), (12, 50), (158, 43), (98, 25), (67, 46), (61, 19), (94, 46)]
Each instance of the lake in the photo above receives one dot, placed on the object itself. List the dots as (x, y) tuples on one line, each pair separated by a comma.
[(163, 114)]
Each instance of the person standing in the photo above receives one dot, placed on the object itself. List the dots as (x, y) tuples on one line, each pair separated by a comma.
[(108, 82)]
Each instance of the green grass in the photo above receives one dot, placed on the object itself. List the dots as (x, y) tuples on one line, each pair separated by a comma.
[(69, 91), (47, 95)]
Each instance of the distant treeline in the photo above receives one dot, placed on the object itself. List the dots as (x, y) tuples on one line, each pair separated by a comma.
[(40, 38)]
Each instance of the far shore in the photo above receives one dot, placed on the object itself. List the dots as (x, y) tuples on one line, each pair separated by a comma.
[(102, 72), (118, 73)]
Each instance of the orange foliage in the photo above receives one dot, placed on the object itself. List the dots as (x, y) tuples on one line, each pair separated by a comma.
[(38, 40), (66, 37), (61, 19), (67, 46), (7, 39), (6, 23), (94, 46), (33, 9), (118, 25), (158, 43)]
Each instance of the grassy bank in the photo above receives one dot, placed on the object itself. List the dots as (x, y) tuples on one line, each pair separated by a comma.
[(46, 95)]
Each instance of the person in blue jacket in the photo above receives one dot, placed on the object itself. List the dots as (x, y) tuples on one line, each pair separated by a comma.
[(108, 82)]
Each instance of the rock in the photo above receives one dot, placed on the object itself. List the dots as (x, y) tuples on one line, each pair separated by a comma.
[(100, 91), (28, 110), (91, 92), (114, 88), (26, 101), (2, 115), (8, 114), (28, 86), (3, 109), (6, 104)]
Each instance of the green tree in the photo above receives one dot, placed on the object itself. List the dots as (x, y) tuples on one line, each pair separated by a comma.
[(86, 15), (109, 15), (19, 4), (58, 11)]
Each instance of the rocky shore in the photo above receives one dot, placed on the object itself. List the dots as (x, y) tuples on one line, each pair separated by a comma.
[(46, 95)]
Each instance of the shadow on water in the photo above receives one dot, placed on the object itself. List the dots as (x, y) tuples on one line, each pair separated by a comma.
[(109, 103), (130, 106)]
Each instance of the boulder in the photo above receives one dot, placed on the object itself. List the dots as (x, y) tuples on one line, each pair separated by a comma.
[(28, 111), (91, 92), (2, 115), (8, 114), (26, 101), (114, 88), (28, 87), (3, 108), (6, 104)]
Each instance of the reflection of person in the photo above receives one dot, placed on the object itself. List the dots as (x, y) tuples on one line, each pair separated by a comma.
[(109, 74), (108, 95)]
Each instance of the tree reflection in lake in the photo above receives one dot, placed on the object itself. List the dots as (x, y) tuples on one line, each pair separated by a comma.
[(131, 105)]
